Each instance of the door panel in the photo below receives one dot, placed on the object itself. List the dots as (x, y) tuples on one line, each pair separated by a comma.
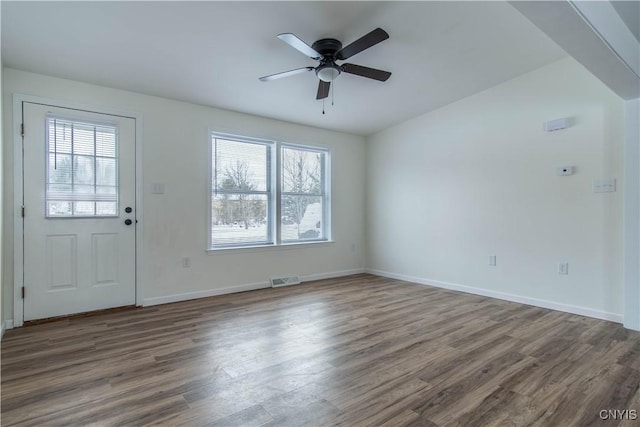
[(105, 259), (79, 177), (62, 261)]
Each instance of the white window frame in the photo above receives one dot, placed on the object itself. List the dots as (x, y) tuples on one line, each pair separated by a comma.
[(96, 196), (326, 199), (274, 165), (270, 191)]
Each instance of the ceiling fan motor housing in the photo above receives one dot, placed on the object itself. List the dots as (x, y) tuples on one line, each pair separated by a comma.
[(327, 47), (327, 71)]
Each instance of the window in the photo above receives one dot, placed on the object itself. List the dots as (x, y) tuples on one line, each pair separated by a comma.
[(302, 194), (245, 197), (241, 193), (82, 169)]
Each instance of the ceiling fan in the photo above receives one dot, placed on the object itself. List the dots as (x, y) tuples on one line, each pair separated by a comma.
[(327, 52)]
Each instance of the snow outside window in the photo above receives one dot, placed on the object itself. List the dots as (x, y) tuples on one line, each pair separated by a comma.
[(241, 193), (251, 185), (303, 194), (82, 169)]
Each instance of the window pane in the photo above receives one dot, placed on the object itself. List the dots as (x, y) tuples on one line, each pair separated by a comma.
[(103, 189), (56, 208), (106, 208), (105, 142), (106, 171), (239, 219), (83, 192), (301, 171), (84, 208), (77, 182), (57, 189), (302, 218), (239, 165), (59, 168), (302, 194), (83, 139), (59, 137), (83, 170)]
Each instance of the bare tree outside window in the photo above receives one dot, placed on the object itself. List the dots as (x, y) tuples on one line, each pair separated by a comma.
[(238, 177), (244, 190), (240, 196), (301, 191)]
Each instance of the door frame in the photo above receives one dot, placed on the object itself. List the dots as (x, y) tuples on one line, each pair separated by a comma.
[(18, 191)]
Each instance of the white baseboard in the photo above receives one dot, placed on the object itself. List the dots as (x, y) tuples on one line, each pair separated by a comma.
[(6, 324), (204, 294), (573, 309), (241, 288), (331, 275)]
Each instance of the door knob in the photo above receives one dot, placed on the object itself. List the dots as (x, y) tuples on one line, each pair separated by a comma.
[(128, 221)]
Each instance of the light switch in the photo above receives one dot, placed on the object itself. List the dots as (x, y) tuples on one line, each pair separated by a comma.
[(604, 185), (563, 268), (157, 188)]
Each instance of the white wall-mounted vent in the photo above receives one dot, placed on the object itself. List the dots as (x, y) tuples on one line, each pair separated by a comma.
[(557, 124), (276, 282)]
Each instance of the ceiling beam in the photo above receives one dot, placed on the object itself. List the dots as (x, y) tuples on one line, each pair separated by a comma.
[(595, 35)]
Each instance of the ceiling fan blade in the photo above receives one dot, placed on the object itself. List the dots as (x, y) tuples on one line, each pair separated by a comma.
[(323, 89), (371, 73), (364, 42), (285, 74), (293, 41)]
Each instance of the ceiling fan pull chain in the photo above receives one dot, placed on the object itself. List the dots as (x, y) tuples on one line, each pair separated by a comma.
[(322, 105), (333, 89)]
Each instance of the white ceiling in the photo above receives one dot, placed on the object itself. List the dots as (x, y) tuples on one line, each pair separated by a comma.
[(629, 11), (212, 53)]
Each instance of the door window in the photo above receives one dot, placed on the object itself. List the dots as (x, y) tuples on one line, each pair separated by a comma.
[(82, 169)]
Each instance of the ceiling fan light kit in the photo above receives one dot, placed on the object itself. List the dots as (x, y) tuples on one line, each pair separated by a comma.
[(328, 72), (327, 52)]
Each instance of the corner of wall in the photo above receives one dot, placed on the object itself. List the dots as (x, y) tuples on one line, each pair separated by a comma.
[(1, 192), (632, 216)]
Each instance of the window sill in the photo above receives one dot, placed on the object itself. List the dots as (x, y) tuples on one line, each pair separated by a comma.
[(266, 248)]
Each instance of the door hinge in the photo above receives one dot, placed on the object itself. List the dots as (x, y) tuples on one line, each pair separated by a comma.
[(23, 292), (22, 130), (22, 211)]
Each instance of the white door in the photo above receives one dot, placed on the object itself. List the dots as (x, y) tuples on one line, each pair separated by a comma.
[(79, 217)]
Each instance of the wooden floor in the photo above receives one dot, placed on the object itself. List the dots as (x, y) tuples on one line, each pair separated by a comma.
[(355, 351)]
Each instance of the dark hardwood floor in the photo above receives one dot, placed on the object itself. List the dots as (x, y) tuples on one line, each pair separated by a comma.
[(354, 351)]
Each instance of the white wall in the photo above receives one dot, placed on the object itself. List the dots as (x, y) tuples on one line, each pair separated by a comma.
[(477, 178), (632, 215), (174, 224), (2, 193)]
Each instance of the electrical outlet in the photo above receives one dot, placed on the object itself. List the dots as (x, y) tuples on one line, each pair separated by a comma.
[(492, 260), (563, 268), (186, 262)]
